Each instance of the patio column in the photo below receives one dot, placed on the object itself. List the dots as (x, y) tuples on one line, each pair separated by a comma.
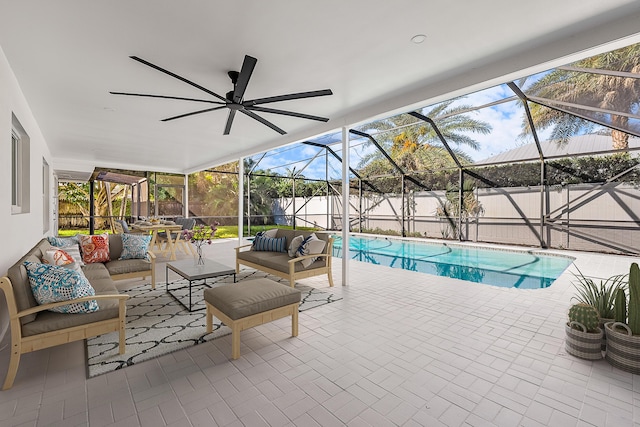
[(326, 176), (240, 199), (92, 208), (359, 205), (186, 196), (345, 206), (402, 211)]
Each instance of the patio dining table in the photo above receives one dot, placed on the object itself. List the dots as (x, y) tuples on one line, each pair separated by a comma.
[(168, 228)]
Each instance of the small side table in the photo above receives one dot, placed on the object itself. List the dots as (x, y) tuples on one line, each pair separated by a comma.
[(191, 271)]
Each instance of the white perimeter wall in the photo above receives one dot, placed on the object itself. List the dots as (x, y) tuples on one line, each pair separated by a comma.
[(600, 218), (20, 232)]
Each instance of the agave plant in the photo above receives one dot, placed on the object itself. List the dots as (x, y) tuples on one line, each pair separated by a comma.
[(600, 295)]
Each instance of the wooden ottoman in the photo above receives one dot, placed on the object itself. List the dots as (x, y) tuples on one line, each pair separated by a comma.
[(244, 305)]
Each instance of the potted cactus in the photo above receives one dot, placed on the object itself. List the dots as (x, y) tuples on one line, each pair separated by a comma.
[(600, 294), (623, 335), (584, 336)]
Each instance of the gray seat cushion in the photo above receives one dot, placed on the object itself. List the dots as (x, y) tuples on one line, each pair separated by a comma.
[(98, 276), (250, 297), (95, 271), (123, 266), (48, 321), (277, 260)]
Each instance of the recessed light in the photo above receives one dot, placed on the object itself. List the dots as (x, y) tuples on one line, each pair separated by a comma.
[(418, 38)]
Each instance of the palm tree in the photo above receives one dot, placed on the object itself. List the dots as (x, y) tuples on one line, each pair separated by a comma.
[(450, 207), (415, 145), (604, 91)]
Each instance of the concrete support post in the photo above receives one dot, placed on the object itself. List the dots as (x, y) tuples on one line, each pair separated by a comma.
[(240, 199), (345, 206)]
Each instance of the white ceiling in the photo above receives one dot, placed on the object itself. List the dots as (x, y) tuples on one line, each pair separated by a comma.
[(68, 54)]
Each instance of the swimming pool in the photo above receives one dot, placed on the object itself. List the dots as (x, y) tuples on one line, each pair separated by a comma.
[(505, 268)]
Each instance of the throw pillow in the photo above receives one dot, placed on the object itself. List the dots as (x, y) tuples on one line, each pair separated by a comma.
[(135, 246), (95, 248), (269, 233), (295, 244), (74, 266), (275, 244), (52, 283), (56, 256), (310, 246), (62, 242), (74, 252)]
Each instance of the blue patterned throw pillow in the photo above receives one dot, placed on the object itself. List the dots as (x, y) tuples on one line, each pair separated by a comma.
[(52, 283), (271, 244), (134, 246), (62, 242)]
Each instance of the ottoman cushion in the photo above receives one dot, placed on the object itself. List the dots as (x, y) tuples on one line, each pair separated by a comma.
[(251, 297)]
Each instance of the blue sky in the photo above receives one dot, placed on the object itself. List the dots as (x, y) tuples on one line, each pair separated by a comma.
[(505, 119)]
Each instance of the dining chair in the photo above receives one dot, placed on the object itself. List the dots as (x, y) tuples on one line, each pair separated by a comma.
[(176, 236)]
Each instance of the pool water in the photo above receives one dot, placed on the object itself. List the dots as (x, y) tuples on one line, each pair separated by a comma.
[(505, 268)]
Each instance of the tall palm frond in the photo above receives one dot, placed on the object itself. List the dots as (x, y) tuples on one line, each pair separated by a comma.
[(404, 133), (608, 92)]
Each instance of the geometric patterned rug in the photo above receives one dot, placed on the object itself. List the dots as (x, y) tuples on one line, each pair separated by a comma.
[(157, 324)]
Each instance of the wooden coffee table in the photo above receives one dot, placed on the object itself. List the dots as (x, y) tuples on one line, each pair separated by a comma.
[(191, 271)]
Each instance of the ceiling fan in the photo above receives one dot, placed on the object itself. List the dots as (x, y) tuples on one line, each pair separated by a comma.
[(234, 99)]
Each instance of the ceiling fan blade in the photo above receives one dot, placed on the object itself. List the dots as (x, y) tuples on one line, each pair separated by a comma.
[(146, 95), (263, 121), (243, 79), (287, 97), (227, 128), (168, 119), (288, 113), (189, 82)]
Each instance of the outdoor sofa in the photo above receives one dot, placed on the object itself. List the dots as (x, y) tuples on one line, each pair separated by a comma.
[(34, 326), (285, 262)]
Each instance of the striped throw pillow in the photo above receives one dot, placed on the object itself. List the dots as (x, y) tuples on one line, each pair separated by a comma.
[(270, 244)]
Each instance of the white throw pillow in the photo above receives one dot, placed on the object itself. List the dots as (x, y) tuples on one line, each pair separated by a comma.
[(268, 233), (74, 251), (57, 256), (75, 267), (310, 246), (295, 244)]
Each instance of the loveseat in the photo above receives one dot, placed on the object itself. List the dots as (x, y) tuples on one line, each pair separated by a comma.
[(34, 326), (287, 262)]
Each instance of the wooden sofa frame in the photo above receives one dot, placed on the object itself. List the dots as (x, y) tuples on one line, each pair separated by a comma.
[(21, 345), (293, 275)]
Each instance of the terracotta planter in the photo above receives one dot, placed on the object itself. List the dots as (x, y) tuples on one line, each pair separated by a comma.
[(585, 345), (623, 349)]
